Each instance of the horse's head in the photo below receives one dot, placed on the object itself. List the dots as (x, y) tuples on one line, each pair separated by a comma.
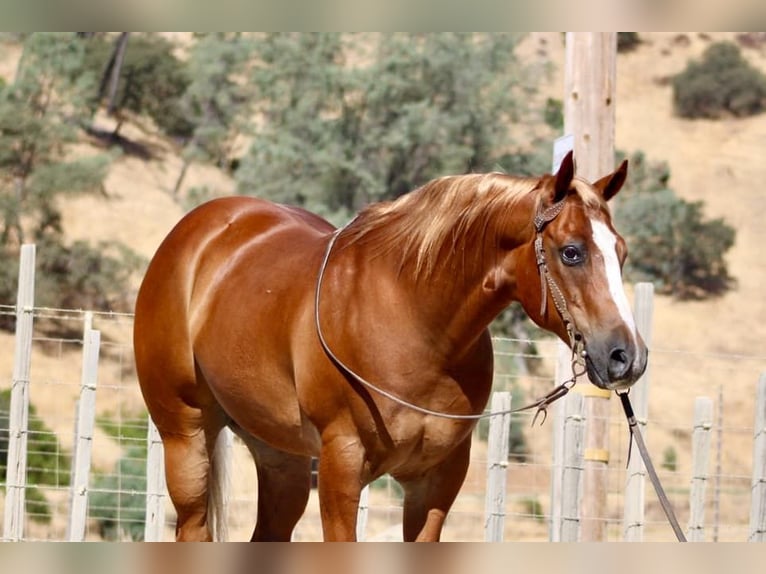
[(580, 254)]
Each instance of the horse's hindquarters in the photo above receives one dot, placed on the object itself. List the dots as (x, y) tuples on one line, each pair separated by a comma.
[(217, 314)]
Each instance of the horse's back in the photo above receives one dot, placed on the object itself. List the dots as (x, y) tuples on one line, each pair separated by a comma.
[(224, 287), (209, 240)]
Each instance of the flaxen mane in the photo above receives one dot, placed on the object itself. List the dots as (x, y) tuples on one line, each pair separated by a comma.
[(442, 213)]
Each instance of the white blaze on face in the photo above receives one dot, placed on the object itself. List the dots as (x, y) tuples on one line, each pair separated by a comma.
[(606, 241)]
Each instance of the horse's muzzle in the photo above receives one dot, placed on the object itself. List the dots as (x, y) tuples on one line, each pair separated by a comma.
[(615, 363)]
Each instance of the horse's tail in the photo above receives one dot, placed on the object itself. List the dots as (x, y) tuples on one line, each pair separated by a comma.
[(220, 473)]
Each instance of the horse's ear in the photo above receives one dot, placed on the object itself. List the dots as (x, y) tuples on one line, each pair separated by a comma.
[(564, 177), (610, 184)]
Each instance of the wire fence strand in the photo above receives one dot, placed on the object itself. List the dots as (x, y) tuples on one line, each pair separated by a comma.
[(117, 482)]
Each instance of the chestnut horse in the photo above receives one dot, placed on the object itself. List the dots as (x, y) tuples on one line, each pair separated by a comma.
[(227, 334)]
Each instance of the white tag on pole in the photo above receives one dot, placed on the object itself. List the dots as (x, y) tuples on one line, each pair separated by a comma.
[(561, 147)]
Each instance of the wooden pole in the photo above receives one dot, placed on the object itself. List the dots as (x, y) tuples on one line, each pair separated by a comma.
[(589, 92), (18, 422)]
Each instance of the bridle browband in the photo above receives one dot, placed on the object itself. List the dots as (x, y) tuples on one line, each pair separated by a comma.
[(547, 283)]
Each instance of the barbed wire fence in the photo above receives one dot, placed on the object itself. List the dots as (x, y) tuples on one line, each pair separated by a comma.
[(114, 496)]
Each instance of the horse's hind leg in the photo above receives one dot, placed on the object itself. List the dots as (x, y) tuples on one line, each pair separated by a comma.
[(284, 484), (188, 471)]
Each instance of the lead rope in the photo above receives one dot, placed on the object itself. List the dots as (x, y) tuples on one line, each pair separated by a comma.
[(635, 433)]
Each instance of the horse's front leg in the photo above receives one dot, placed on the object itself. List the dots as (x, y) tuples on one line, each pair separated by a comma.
[(340, 486), (428, 497)]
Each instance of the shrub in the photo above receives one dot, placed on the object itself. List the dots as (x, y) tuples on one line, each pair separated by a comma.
[(118, 499), (533, 508), (627, 41), (670, 241), (391, 487), (722, 83), (670, 459), (75, 276), (47, 463), (553, 114)]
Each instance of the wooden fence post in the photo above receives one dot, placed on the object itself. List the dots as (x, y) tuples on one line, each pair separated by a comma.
[(703, 422), (573, 468), (363, 514), (497, 465), (633, 514), (154, 522), (758, 483), (18, 422), (563, 372), (83, 441)]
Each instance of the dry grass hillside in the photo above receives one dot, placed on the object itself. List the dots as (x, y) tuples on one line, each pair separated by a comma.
[(698, 347)]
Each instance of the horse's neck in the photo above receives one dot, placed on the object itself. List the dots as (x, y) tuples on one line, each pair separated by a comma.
[(467, 313), (455, 301), (457, 307)]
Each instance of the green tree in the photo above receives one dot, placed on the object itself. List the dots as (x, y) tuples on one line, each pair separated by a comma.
[(722, 82), (39, 114), (150, 80), (118, 499), (627, 41), (216, 101), (47, 462), (670, 459), (40, 117), (351, 119), (671, 242)]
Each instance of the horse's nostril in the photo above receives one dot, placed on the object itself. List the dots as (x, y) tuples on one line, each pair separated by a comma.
[(619, 356), (619, 363)]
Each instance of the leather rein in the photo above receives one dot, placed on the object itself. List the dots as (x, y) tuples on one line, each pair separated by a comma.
[(547, 283)]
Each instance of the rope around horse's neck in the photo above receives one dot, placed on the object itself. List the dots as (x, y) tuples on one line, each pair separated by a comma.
[(541, 404)]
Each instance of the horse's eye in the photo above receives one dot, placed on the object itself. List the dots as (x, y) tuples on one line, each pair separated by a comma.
[(571, 255)]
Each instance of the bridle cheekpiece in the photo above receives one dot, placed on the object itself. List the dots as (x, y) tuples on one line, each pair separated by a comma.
[(547, 283)]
